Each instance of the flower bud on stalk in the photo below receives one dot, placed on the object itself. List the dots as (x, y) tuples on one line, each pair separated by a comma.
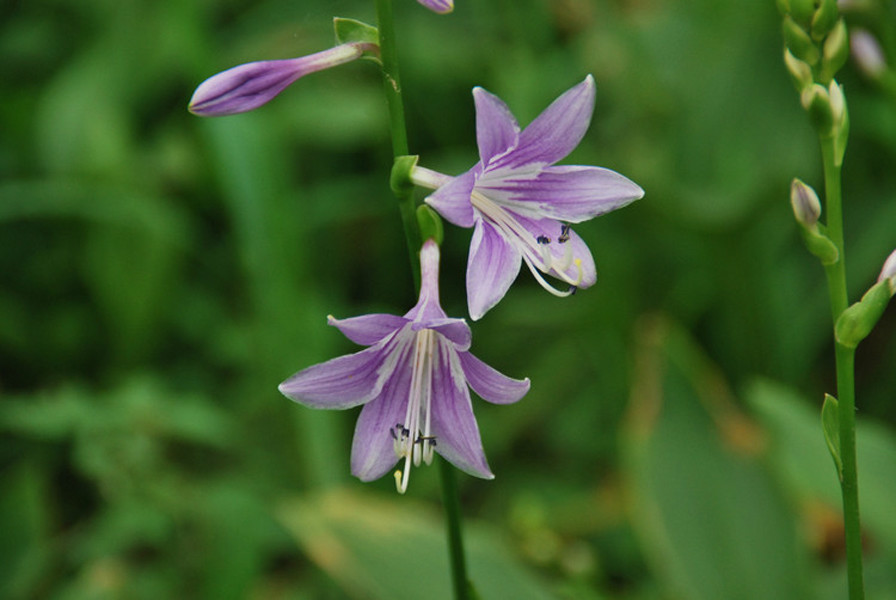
[(888, 273), (798, 42), (835, 50), (805, 203), (824, 18), (857, 321)]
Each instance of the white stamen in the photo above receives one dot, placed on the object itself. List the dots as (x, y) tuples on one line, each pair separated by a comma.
[(537, 256), (414, 441)]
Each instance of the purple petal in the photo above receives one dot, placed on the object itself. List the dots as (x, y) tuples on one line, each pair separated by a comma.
[(452, 200), (496, 127), (439, 6), (453, 423), (341, 382), (246, 87), (555, 132), (373, 452), (367, 330), (492, 266), (455, 330), (575, 245), (571, 193), (489, 384)]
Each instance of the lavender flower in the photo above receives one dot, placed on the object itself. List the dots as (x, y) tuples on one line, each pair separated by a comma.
[(439, 6), (520, 205), (246, 87), (412, 381)]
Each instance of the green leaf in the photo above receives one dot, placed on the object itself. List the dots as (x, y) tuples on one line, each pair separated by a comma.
[(797, 452), (830, 424), (395, 549), (712, 521)]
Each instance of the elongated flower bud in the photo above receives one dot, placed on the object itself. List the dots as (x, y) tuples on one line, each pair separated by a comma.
[(439, 6), (805, 203), (248, 86), (888, 272)]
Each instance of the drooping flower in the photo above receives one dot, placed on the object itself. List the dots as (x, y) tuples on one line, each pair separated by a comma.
[(439, 6), (246, 87), (412, 381), (521, 205)]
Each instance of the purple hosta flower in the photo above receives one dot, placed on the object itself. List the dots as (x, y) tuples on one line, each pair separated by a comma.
[(520, 205), (248, 86), (412, 381), (439, 6)]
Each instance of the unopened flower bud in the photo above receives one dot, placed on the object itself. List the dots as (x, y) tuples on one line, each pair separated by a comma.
[(246, 87), (817, 101), (867, 53), (800, 72), (836, 49), (805, 203), (801, 10), (824, 18), (888, 273), (838, 102), (439, 6), (797, 40)]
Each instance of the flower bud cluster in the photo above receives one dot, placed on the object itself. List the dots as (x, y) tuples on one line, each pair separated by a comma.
[(816, 46)]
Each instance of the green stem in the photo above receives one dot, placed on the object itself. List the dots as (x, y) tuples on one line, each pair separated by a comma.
[(455, 538), (398, 127), (836, 277)]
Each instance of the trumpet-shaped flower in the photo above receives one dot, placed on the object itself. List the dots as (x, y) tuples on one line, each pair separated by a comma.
[(520, 205), (413, 382), (246, 87)]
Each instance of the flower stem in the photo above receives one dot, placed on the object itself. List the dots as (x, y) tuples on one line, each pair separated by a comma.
[(836, 277), (455, 538), (398, 128)]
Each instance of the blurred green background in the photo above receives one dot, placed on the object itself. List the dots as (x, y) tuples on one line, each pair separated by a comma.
[(162, 273)]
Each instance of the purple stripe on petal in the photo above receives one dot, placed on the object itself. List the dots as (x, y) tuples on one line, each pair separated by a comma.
[(496, 127), (555, 132), (453, 423), (373, 451), (489, 384), (341, 382), (492, 266), (568, 193), (367, 330), (439, 6), (452, 200)]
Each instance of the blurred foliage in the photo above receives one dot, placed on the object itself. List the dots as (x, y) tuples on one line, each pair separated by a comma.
[(161, 274)]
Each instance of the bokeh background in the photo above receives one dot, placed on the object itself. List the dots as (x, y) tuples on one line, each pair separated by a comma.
[(160, 274)]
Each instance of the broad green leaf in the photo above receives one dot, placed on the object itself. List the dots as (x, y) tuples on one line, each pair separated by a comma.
[(712, 521), (799, 453), (396, 549)]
